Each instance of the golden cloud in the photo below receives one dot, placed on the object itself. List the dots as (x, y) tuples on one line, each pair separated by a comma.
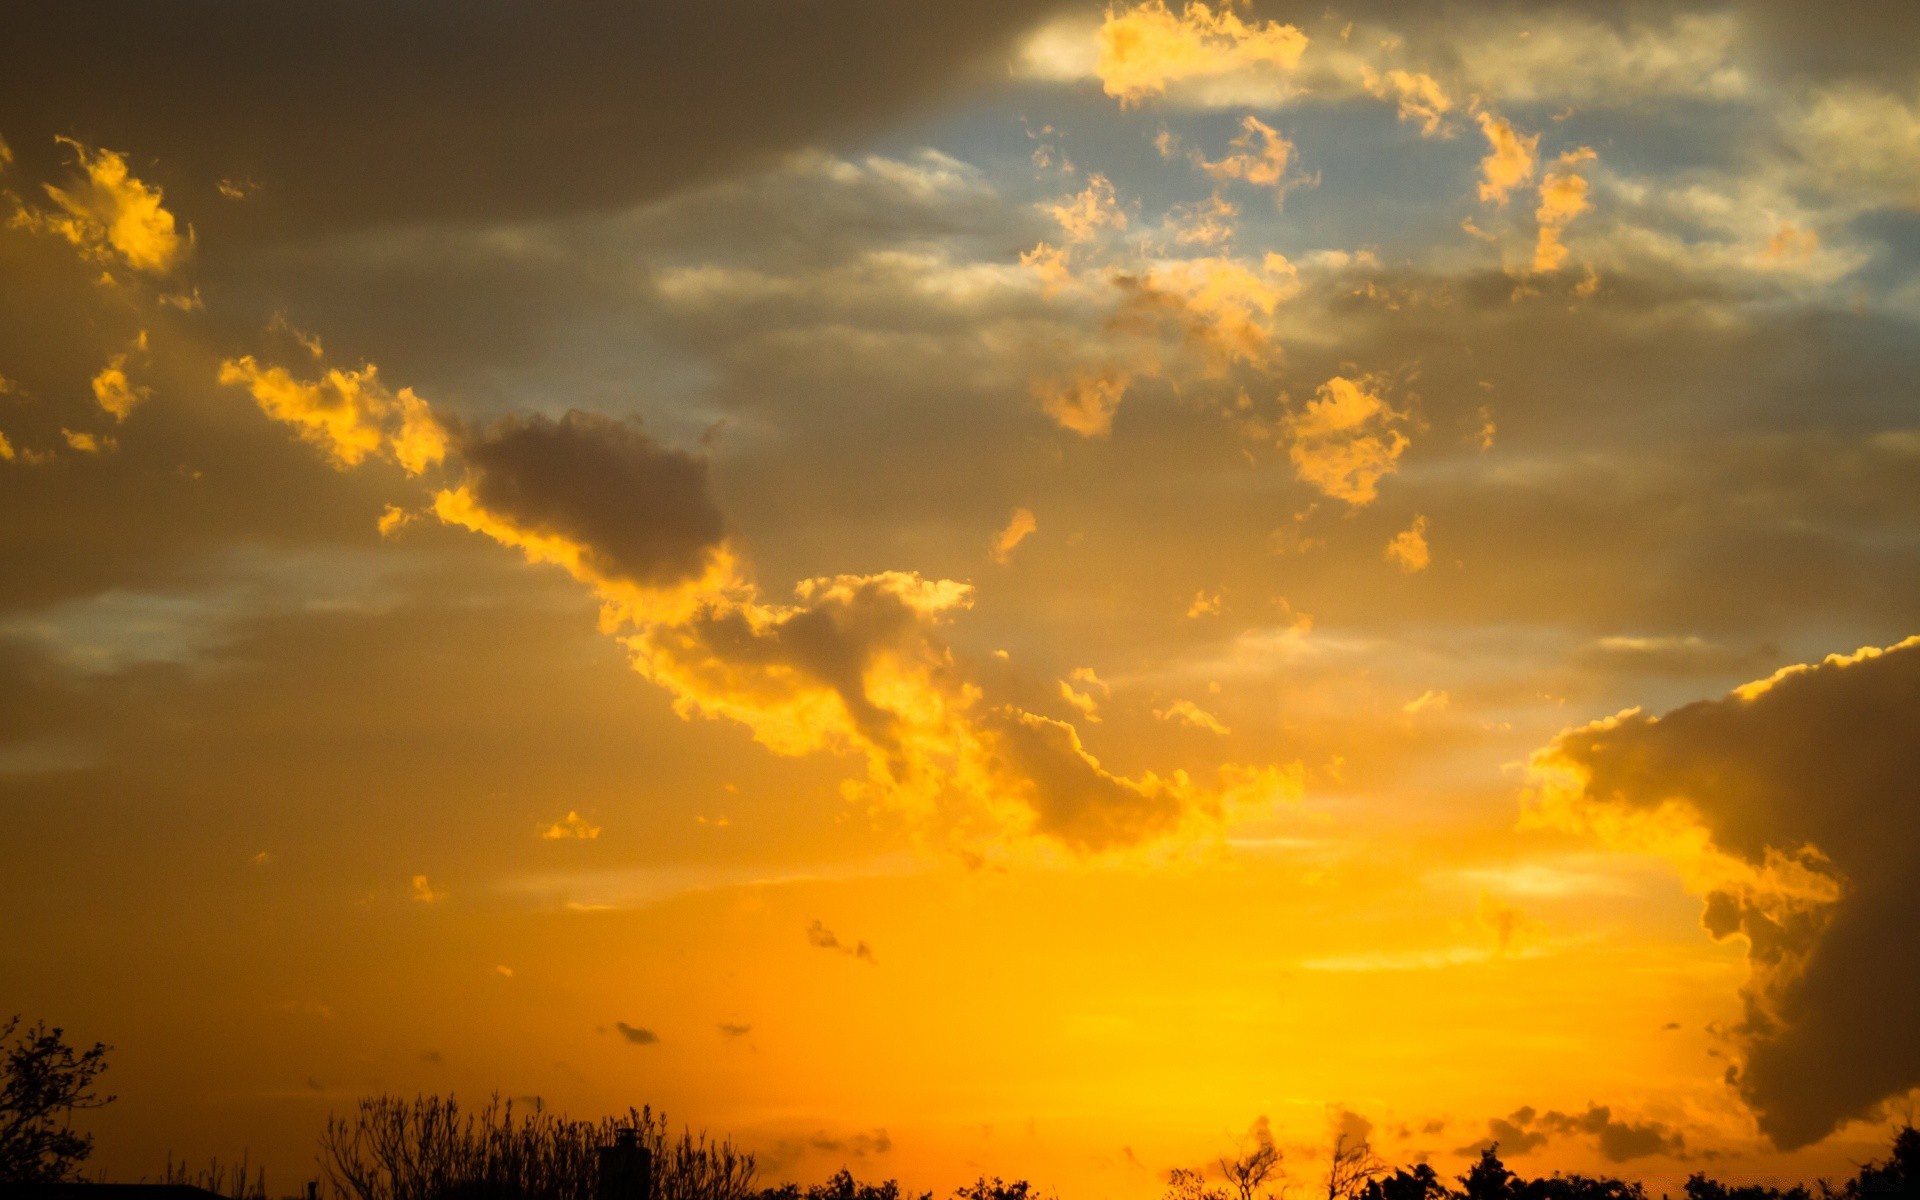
[(349, 414), (109, 215), (1408, 549), (1344, 441), (1146, 47), (1511, 161), (1563, 196)]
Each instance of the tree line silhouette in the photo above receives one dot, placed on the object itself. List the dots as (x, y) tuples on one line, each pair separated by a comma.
[(431, 1148)]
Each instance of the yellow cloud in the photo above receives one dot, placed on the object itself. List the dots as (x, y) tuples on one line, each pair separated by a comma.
[(110, 215), (1083, 402), (423, 891), (393, 520), (115, 392), (1083, 215), (1426, 700), (573, 825), (1208, 222), (7, 451), (1408, 549), (1021, 524), (1344, 441), (1420, 96), (1220, 307), (349, 414), (86, 443), (1145, 47), (1511, 161), (1186, 712), (1563, 196), (1083, 701), (1262, 158)]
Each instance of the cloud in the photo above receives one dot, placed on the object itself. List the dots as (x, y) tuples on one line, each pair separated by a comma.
[(1083, 215), (349, 414), (1524, 1130), (1261, 161), (1511, 161), (819, 936), (1563, 196), (109, 215), (116, 393), (637, 512), (1784, 804), (1018, 527), (573, 825), (1420, 96), (636, 1035), (1344, 442), (1408, 549), (729, 1030), (325, 106), (1145, 47), (424, 891), (1083, 402), (1186, 712)]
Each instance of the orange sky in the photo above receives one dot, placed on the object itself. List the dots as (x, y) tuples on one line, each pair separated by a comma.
[(1006, 591)]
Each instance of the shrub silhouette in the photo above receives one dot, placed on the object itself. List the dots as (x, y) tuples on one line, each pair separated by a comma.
[(427, 1148), (42, 1084)]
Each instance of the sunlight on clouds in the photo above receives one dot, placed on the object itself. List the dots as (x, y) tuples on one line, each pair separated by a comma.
[(1511, 161), (1084, 402), (1344, 441), (1019, 526), (571, 826), (1408, 549), (349, 414), (1419, 95), (1186, 712), (110, 215), (1563, 196), (1261, 160), (1146, 47), (116, 393)]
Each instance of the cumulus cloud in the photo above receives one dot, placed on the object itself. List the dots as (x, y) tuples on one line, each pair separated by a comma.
[(1509, 163), (1345, 441), (638, 512), (1018, 526), (1784, 804), (1145, 47), (349, 414), (423, 890), (109, 214)]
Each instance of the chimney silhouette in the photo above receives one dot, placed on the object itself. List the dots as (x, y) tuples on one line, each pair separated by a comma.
[(626, 1168)]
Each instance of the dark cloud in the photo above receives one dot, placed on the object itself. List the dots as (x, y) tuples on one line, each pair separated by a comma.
[(1525, 1130), (636, 1035), (734, 1031), (391, 110), (1807, 781), (858, 1145), (643, 513), (819, 935)]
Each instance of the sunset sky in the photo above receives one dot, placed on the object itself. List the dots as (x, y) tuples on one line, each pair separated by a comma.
[(1011, 586)]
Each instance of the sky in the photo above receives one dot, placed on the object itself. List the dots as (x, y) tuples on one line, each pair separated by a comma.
[(1024, 587)]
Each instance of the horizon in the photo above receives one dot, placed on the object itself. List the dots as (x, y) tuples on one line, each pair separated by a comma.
[(1025, 589)]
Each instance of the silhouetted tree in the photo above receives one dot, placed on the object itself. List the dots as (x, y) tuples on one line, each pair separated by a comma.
[(1489, 1179), (1420, 1183), (1352, 1167), (993, 1189), (43, 1082), (1183, 1184), (841, 1185), (1895, 1177)]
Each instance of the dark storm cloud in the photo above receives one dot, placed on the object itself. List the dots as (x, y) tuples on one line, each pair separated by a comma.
[(1809, 780), (345, 112), (641, 512)]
